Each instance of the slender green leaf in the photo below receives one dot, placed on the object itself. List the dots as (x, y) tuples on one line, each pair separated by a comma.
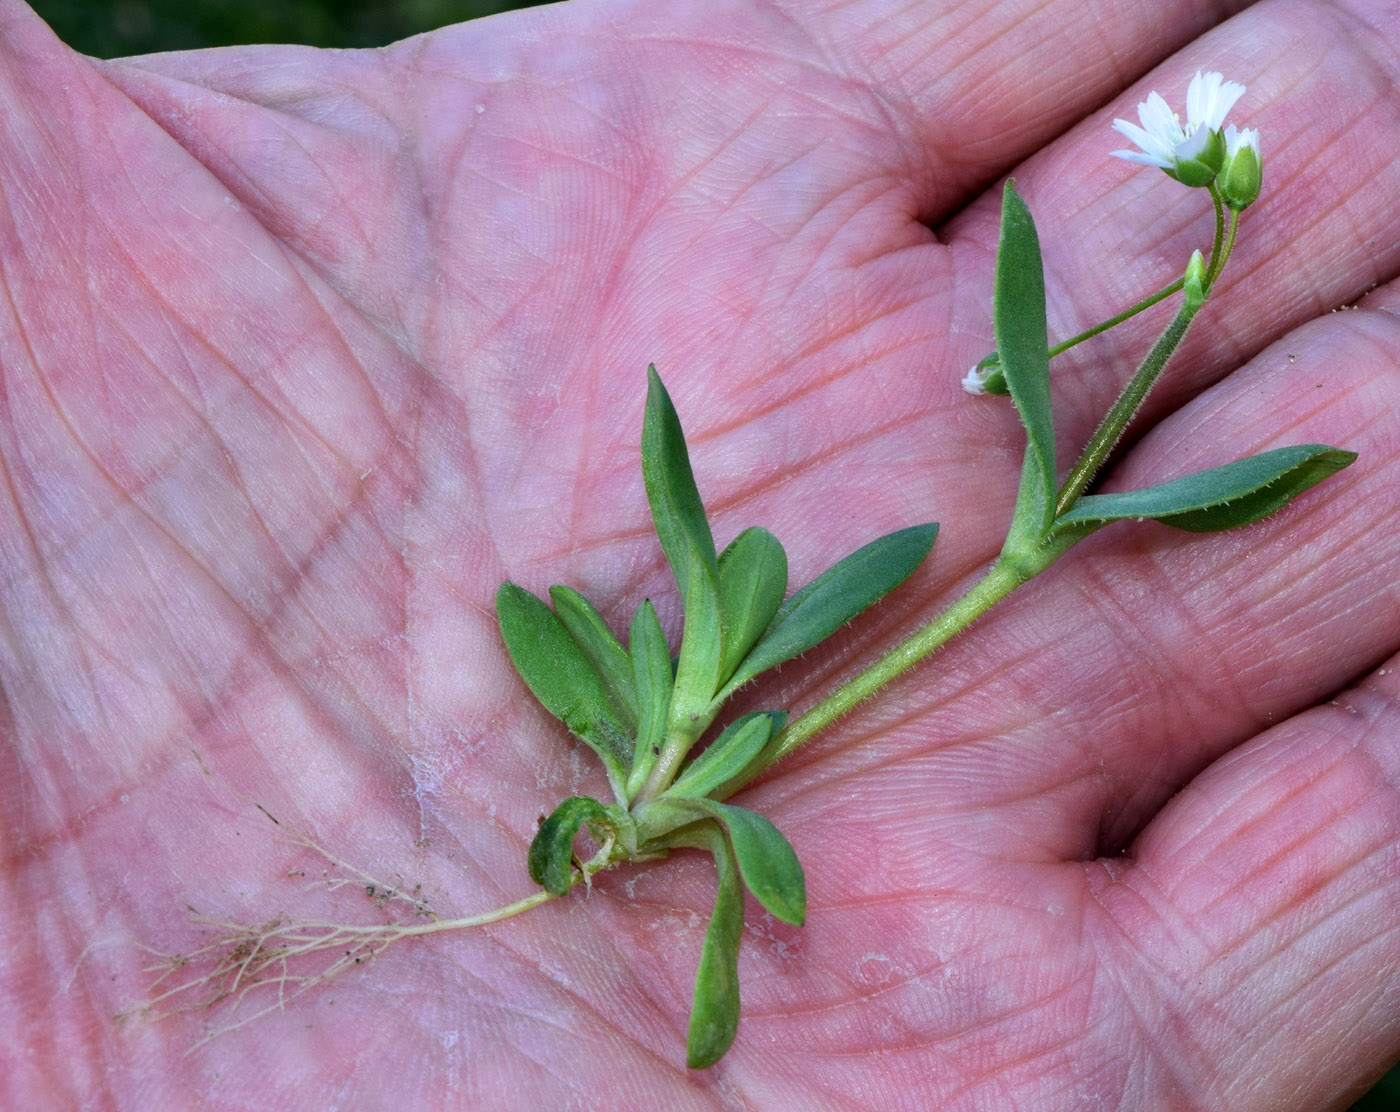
[(1220, 498), (653, 676), (562, 676), (551, 857), (1018, 317), (729, 754), (835, 597), (702, 643), (767, 862), (752, 583), (587, 627), (714, 1014), (676, 509)]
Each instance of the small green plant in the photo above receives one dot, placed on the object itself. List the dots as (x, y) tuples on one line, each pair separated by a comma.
[(646, 710)]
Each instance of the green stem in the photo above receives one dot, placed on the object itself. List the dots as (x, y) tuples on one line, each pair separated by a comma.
[(1111, 428), (1113, 322), (991, 589), (1217, 259), (1220, 257)]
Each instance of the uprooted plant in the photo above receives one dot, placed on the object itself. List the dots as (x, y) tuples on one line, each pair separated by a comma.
[(645, 707)]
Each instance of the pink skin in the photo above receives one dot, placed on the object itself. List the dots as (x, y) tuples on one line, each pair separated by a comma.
[(303, 353)]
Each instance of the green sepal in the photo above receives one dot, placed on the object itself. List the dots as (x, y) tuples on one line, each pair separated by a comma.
[(714, 1013), (676, 509), (1224, 497), (752, 582), (653, 675), (562, 677), (835, 597), (728, 755), (587, 627), (1018, 317), (551, 857)]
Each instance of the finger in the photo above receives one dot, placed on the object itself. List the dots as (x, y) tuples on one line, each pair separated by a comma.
[(1261, 906), (974, 90), (1323, 232)]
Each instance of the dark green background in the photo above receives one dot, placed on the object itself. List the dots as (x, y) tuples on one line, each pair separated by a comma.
[(112, 28)]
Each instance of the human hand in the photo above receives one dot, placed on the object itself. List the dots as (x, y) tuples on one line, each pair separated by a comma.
[(305, 352)]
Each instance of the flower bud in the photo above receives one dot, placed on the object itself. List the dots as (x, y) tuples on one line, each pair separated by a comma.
[(987, 377), (1194, 281), (1243, 171)]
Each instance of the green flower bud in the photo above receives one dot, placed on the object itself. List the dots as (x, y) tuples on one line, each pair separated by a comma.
[(1243, 172), (1194, 282)]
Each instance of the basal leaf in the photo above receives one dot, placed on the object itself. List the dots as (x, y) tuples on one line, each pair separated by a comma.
[(676, 509), (610, 659), (835, 597), (729, 754), (1220, 498), (752, 583), (551, 857), (1018, 317), (714, 1015), (653, 677), (766, 860), (562, 676)]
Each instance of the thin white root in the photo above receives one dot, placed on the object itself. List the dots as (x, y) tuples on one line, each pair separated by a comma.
[(256, 969)]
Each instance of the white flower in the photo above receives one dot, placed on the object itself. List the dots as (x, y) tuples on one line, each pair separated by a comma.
[(1190, 152)]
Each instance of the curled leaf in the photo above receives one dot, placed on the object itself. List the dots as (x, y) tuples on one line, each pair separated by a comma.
[(551, 857)]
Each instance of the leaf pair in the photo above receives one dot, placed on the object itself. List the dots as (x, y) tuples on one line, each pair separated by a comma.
[(1219, 498), (745, 846)]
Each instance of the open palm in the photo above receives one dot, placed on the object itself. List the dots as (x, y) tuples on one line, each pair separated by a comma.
[(303, 353)]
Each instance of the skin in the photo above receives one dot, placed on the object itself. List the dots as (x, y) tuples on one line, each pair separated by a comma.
[(303, 353)]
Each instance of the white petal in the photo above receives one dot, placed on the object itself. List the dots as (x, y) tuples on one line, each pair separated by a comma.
[(1144, 159), (1160, 149), (1235, 140), (1194, 145), (1159, 120), (1209, 98)]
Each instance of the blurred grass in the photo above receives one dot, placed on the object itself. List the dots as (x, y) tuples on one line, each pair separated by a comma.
[(113, 28)]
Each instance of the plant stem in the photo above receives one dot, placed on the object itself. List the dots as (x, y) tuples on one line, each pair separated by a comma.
[(999, 582), (1004, 576), (1112, 322), (1111, 428), (467, 921)]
